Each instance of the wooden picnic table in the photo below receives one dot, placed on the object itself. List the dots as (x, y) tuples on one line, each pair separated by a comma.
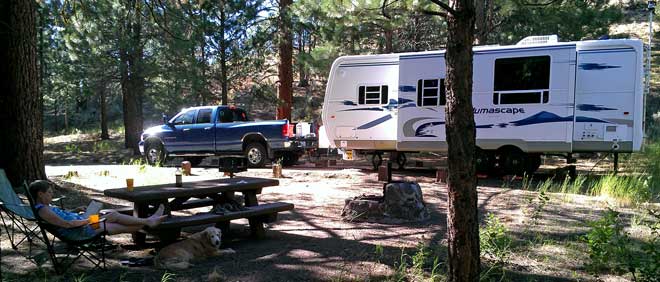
[(206, 193)]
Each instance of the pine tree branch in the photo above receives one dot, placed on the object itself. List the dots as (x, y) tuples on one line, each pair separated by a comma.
[(434, 13), (548, 3), (444, 6)]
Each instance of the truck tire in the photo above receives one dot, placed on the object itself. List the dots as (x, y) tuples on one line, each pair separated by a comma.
[(256, 155), (155, 153)]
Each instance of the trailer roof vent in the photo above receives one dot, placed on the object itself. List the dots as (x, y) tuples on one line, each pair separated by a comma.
[(538, 39)]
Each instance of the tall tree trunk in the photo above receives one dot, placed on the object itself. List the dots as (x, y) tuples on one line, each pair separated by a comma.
[(223, 54), (100, 88), (304, 82), (462, 224), (132, 77), (21, 116), (285, 69), (389, 39), (481, 21)]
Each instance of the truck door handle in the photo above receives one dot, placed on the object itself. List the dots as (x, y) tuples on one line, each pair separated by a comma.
[(185, 129), (207, 128)]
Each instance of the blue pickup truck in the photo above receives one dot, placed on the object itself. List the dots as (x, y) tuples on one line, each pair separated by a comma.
[(199, 132)]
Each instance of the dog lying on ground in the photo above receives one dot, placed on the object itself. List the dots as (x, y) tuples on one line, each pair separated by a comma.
[(199, 246)]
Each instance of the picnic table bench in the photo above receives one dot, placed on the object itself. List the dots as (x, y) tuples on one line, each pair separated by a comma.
[(200, 194)]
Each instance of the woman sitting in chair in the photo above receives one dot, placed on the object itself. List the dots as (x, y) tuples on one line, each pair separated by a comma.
[(116, 223)]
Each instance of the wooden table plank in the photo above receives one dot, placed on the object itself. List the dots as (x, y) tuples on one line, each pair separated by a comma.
[(190, 189)]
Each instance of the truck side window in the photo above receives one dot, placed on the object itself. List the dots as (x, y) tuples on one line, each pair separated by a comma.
[(524, 80), (431, 93), (226, 116), (204, 116), (185, 118), (239, 115)]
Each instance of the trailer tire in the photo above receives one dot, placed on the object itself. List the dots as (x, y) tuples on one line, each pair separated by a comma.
[(376, 160), (154, 153), (256, 155), (511, 161), (533, 163), (289, 159), (485, 161), (401, 160)]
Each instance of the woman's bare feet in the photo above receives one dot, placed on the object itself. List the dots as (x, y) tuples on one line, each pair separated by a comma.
[(154, 221), (159, 211), (156, 218)]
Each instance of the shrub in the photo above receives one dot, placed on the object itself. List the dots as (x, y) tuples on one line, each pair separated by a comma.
[(494, 240), (607, 243)]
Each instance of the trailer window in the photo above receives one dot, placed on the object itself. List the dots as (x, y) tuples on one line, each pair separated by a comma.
[(431, 93), (372, 95), (523, 80)]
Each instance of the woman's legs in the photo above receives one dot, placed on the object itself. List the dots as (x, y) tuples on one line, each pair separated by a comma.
[(116, 228), (127, 220)]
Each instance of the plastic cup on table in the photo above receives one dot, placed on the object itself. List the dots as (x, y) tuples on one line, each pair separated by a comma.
[(129, 184)]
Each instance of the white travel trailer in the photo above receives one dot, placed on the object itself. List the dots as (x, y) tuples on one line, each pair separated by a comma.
[(537, 97)]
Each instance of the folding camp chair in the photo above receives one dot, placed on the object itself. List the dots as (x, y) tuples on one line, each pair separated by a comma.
[(93, 249), (18, 219)]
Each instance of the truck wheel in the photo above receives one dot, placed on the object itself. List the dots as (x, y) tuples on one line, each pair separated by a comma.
[(195, 161), (255, 154), (155, 153)]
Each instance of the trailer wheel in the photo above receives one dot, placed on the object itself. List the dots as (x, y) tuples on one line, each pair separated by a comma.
[(289, 159), (533, 163), (513, 162), (376, 160), (485, 161), (400, 159)]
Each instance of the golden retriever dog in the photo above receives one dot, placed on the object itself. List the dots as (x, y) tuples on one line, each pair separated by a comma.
[(199, 246)]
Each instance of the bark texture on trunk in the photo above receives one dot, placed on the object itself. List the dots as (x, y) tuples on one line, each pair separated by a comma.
[(223, 55), (21, 146), (462, 225), (285, 69), (132, 77), (104, 109)]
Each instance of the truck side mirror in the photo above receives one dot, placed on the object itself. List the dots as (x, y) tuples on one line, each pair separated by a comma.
[(166, 119)]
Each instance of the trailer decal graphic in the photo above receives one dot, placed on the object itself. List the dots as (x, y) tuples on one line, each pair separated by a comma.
[(542, 117), (363, 109), (498, 111), (594, 66), (423, 131), (407, 88), (593, 108), (374, 122), (392, 104)]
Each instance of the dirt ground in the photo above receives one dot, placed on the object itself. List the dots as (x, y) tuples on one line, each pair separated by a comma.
[(313, 243)]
